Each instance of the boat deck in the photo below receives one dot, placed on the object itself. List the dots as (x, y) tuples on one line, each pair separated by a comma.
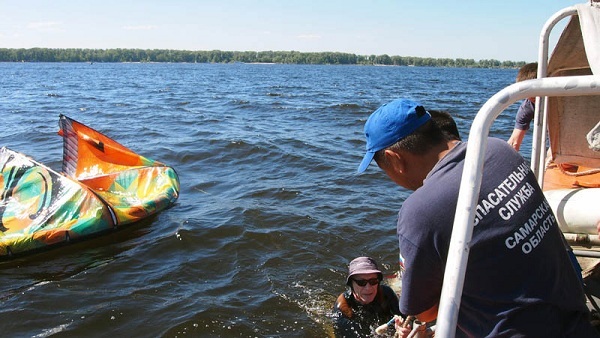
[(564, 177)]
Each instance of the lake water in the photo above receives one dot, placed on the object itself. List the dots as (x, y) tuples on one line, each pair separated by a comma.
[(270, 211)]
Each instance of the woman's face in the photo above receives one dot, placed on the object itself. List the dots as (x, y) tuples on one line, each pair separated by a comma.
[(365, 294)]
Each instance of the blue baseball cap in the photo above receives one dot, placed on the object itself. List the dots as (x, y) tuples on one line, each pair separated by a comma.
[(389, 124)]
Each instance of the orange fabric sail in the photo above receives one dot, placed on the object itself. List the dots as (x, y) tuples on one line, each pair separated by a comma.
[(87, 152), (133, 186)]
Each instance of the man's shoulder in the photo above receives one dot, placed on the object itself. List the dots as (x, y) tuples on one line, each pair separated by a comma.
[(495, 144), (527, 105)]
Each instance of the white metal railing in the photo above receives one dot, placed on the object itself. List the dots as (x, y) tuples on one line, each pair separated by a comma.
[(462, 231), (538, 146)]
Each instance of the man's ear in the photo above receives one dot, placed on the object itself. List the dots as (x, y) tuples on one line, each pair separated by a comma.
[(395, 160)]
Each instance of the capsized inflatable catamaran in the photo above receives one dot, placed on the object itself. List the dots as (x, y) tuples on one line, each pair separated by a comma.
[(567, 93), (103, 185)]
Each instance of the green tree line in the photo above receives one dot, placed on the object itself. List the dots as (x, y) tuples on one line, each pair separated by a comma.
[(218, 56)]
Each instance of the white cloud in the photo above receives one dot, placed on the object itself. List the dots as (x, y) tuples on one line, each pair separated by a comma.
[(45, 26), (309, 36), (140, 28)]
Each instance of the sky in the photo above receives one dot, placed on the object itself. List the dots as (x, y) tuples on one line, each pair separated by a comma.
[(505, 30)]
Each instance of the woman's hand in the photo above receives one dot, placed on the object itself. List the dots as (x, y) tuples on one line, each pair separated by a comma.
[(403, 327)]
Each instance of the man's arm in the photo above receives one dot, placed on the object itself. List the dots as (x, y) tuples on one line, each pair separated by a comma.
[(516, 138)]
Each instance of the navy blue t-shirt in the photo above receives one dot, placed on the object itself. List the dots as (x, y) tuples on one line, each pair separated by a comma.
[(519, 281), (525, 115)]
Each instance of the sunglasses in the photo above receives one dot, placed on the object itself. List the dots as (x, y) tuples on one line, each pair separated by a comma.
[(363, 282)]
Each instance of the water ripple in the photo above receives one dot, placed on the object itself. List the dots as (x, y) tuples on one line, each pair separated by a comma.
[(270, 211)]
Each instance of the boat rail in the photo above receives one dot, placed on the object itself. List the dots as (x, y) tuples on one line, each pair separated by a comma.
[(538, 147), (541, 88), (462, 231)]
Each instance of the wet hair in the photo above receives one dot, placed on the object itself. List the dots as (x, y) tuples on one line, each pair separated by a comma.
[(527, 72)]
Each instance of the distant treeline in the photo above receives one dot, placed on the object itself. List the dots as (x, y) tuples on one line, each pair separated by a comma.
[(218, 56)]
